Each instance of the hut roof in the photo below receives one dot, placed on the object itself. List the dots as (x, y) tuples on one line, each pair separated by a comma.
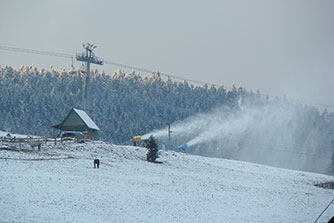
[(86, 120)]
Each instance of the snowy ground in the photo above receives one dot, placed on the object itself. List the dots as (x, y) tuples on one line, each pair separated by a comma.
[(59, 184)]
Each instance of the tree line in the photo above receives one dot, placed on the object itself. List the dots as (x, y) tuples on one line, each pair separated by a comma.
[(123, 105)]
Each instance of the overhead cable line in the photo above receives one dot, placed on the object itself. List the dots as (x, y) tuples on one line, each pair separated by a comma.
[(65, 55), (49, 53), (163, 74), (40, 52)]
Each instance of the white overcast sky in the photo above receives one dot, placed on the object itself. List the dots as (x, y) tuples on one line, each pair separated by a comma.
[(282, 47)]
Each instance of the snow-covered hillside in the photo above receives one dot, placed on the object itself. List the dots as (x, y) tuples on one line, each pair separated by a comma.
[(60, 184)]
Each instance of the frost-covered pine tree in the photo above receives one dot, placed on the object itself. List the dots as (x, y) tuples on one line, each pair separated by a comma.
[(152, 150)]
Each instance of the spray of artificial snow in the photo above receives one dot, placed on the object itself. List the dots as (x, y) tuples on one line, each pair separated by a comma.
[(273, 134)]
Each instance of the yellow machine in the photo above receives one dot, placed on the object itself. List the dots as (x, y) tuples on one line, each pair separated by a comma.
[(136, 139)]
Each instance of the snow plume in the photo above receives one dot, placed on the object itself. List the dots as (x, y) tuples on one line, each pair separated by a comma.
[(186, 129), (277, 133)]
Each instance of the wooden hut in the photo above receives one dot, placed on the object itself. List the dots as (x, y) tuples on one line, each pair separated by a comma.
[(78, 121)]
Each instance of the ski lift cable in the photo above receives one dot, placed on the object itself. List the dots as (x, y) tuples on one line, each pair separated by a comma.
[(40, 52), (161, 73), (65, 55)]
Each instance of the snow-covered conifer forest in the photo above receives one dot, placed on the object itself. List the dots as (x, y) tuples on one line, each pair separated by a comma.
[(125, 105)]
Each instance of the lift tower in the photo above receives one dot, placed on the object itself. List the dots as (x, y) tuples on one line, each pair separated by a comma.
[(89, 57)]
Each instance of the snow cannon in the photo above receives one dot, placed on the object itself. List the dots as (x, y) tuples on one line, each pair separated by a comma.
[(182, 148), (135, 140)]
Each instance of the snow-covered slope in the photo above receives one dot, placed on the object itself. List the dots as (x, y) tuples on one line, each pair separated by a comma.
[(60, 184)]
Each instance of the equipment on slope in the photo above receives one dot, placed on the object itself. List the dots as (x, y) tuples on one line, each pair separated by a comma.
[(182, 148), (135, 140)]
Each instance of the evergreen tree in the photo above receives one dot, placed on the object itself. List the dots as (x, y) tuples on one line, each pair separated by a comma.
[(152, 150)]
